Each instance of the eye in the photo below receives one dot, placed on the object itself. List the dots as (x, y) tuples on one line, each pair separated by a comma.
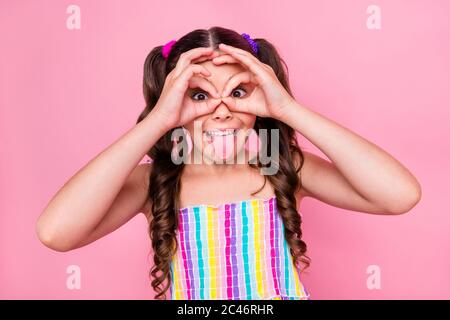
[(236, 90), (200, 94)]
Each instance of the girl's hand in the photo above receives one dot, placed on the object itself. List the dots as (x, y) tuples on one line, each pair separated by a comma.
[(268, 99), (175, 108)]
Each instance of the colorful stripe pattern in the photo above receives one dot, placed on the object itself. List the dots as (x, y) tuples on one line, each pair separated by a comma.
[(234, 251)]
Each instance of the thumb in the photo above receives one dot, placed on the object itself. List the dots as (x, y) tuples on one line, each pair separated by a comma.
[(236, 105), (208, 106)]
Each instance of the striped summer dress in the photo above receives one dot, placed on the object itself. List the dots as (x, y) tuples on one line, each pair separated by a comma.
[(234, 251)]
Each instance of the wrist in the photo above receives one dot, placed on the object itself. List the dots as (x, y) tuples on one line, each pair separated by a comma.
[(158, 121), (288, 111)]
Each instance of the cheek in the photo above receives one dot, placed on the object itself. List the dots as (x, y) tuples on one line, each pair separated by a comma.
[(248, 120), (189, 126), (195, 128), (197, 122)]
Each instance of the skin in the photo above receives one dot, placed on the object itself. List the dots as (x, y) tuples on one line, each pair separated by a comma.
[(211, 183), (221, 116), (360, 177)]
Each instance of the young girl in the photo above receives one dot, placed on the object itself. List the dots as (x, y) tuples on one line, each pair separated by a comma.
[(223, 229)]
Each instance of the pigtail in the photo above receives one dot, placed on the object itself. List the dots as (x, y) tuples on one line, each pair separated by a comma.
[(164, 184), (153, 79), (268, 54), (287, 180)]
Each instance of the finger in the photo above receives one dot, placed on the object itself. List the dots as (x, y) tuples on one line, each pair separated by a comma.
[(187, 57), (211, 56), (200, 82), (236, 105), (228, 49), (207, 107), (224, 58), (203, 107), (246, 59), (241, 77), (189, 72)]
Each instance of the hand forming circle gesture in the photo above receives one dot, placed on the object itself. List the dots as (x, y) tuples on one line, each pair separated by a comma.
[(268, 99)]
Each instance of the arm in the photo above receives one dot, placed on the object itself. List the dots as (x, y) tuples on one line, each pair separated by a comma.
[(104, 194), (131, 200), (108, 191), (362, 176)]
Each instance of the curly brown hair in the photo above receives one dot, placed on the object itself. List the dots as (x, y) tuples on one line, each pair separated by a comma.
[(164, 185)]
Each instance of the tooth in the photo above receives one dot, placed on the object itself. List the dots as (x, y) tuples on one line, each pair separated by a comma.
[(210, 133)]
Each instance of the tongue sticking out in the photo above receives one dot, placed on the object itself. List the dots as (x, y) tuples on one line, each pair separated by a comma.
[(223, 146)]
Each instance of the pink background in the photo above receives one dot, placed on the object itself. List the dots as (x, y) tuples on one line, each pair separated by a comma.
[(65, 95)]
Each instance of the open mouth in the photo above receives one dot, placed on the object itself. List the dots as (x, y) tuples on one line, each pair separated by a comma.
[(218, 132), (222, 141)]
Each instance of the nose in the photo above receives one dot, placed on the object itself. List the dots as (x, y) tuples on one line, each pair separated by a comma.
[(222, 113)]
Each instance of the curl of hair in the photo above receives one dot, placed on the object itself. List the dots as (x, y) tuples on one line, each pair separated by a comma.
[(165, 183)]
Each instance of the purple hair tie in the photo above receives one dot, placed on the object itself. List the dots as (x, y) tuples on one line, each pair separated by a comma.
[(167, 47), (252, 43)]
